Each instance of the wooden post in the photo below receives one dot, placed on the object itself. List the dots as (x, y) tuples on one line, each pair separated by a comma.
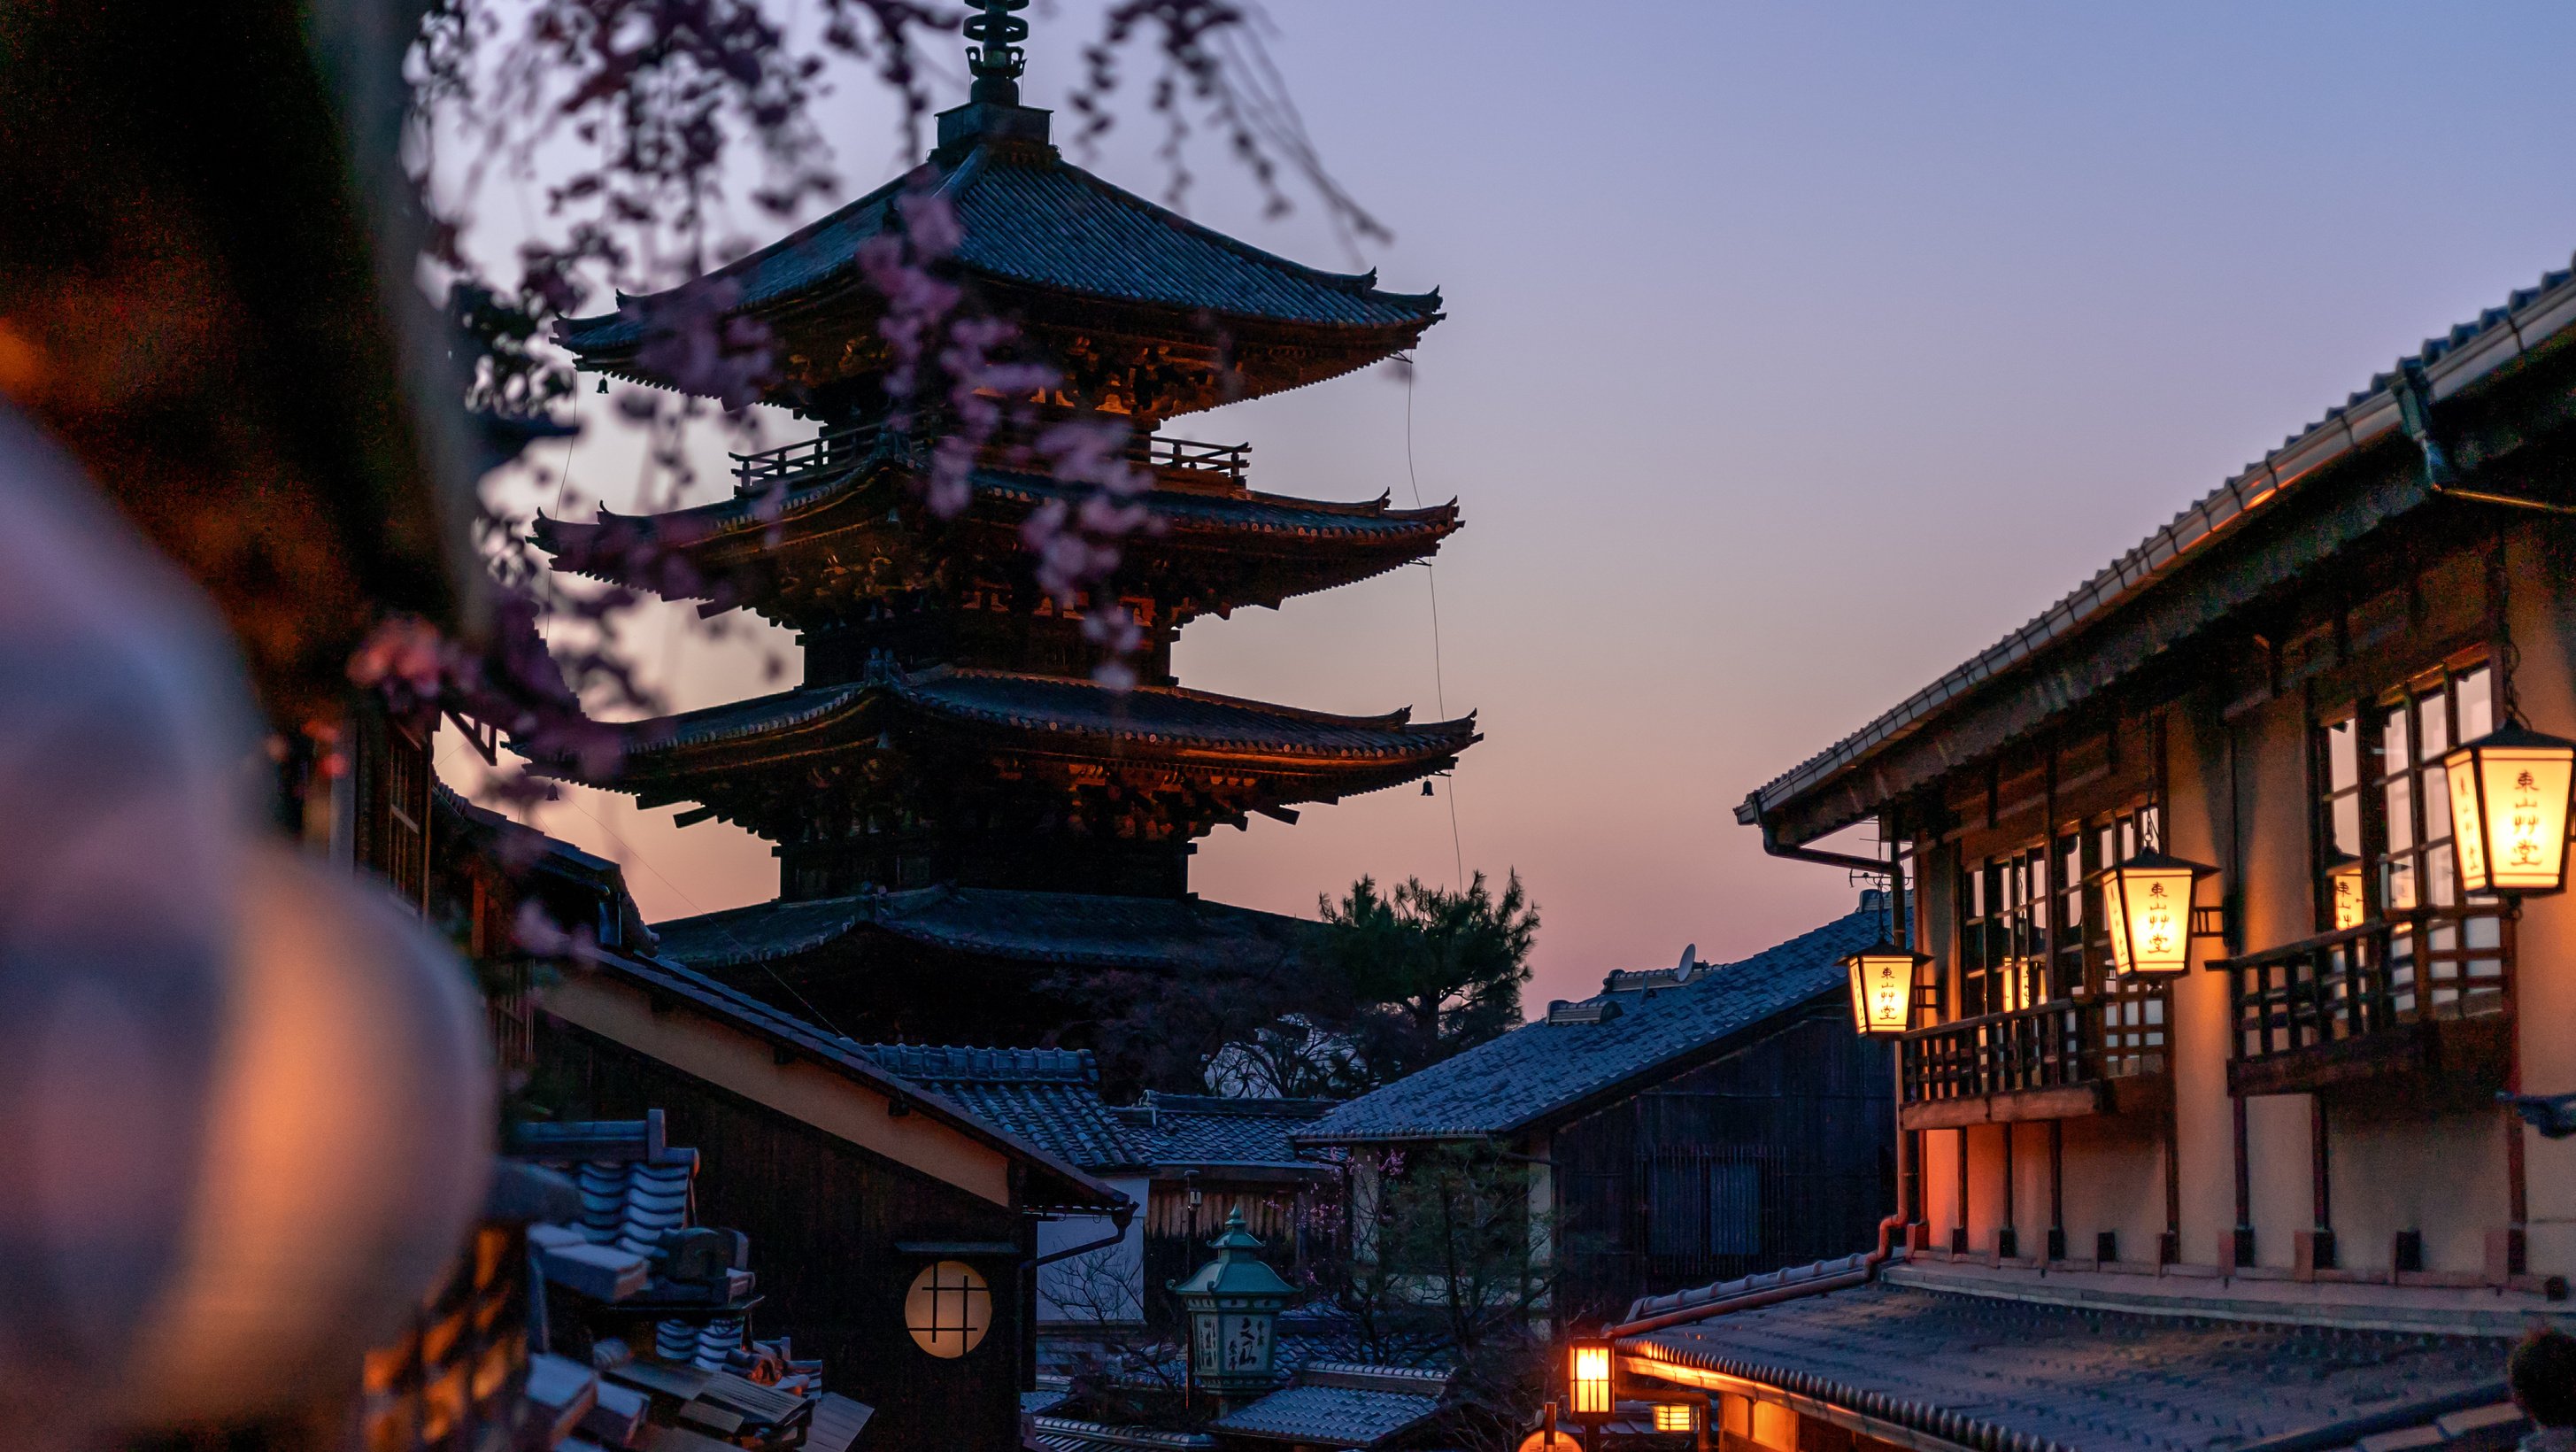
[(2057, 1189), (2007, 1242)]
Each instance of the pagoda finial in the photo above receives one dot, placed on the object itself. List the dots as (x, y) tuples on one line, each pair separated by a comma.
[(996, 58)]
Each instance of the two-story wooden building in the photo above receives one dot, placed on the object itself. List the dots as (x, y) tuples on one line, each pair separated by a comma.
[(2302, 1128)]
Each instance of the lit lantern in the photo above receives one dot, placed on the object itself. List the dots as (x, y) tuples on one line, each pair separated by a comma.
[(2146, 905), (1882, 988), (2509, 810), (2343, 888), (1588, 1378), (1676, 1417), (1234, 1303)]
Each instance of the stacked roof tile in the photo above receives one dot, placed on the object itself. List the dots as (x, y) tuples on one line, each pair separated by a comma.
[(1996, 1373), (1342, 1404), (1080, 929), (1547, 1068)]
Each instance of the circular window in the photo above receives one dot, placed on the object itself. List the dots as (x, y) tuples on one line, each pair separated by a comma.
[(948, 1309)]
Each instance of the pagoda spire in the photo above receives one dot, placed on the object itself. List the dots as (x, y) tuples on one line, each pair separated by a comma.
[(996, 59)]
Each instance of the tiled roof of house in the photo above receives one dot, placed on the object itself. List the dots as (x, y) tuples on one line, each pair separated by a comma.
[(1055, 1182), (2469, 352), (1027, 216), (1544, 1068), (1049, 1097), (1086, 929), (1205, 1130), (1993, 1373), (1341, 1404)]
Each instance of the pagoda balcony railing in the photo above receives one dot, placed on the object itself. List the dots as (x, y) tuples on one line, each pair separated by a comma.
[(830, 449), (1180, 461), (2057, 1060), (1193, 460), (2423, 995)]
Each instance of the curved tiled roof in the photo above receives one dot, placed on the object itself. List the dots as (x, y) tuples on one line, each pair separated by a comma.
[(1063, 706), (1203, 1129), (1088, 929), (2466, 354), (1543, 1068), (2010, 1375), (1251, 513), (1029, 217), (1049, 1097)]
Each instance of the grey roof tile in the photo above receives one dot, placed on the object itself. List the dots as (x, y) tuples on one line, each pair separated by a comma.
[(1085, 929), (1994, 1369), (1541, 1068), (1049, 1097), (1027, 216), (1205, 1130), (1336, 1404)]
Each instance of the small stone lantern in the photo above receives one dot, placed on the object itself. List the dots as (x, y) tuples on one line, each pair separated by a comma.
[(1234, 1303)]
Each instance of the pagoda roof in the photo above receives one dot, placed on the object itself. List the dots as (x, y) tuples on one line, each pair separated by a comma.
[(1161, 719), (1071, 928), (771, 762), (1031, 222), (1245, 547)]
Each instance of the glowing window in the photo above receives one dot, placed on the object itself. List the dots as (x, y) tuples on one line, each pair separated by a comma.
[(948, 1309)]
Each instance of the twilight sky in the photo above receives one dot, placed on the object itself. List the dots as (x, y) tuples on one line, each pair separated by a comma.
[(1796, 352)]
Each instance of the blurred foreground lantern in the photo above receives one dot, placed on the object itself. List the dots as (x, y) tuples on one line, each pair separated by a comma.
[(2146, 905), (1234, 1303), (1587, 1374), (1882, 988), (2509, 810)]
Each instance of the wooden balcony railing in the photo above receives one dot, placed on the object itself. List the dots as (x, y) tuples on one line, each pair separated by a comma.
[(836, 447), (1178, 460), (2054, 1061), (2421, 994)]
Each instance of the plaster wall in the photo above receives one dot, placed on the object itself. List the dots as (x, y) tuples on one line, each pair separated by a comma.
[(1102, 1285)]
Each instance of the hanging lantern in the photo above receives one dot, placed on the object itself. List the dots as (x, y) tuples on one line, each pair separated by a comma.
[(2509, 810), (1676, 1417), (2146, 905), (1588, 1378), (2343, 889), (1882, 988)]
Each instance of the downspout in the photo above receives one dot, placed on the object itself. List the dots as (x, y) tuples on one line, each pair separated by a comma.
[(1118, 1219), (1899, 924)]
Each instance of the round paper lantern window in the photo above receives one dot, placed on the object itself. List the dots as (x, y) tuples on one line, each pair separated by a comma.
[(948, 1309)]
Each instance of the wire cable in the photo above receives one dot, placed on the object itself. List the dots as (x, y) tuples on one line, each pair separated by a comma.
[(1439, 682)]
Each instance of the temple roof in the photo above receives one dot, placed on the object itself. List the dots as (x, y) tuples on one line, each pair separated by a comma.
[(1081, 929), (1056, 714), (1033, 222), (1235, 548)]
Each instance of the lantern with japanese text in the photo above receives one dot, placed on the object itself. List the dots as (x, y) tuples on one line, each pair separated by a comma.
[(2146, 908), (1883, 976), (2509, 811), (1234, 1303)]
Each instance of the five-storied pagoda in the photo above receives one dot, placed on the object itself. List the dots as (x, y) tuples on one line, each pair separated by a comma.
[(959, 809)]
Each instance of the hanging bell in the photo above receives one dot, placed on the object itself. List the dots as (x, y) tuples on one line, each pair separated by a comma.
[(1427, 791)]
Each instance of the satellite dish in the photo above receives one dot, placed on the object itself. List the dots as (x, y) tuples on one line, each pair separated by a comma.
[(1683, 971)]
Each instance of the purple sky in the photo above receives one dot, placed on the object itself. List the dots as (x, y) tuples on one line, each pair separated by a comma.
[(1795, 353)]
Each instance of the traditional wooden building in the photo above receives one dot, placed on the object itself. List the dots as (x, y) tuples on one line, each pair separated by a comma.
[(1683, 1125), (950, 774), (2283, 1119), (907, 1226)]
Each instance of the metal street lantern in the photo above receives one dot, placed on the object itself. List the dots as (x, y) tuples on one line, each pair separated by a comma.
[(1882, 988), (2146, 905), (1587, 1375), (2509, 810), (1234, 1303)]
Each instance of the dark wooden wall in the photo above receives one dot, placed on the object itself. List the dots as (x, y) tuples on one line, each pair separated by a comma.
[(824, 1217), (1796, 1124)]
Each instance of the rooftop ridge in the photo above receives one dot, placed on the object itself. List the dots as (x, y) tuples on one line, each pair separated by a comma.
[(962, 1064), (2141, 566)]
